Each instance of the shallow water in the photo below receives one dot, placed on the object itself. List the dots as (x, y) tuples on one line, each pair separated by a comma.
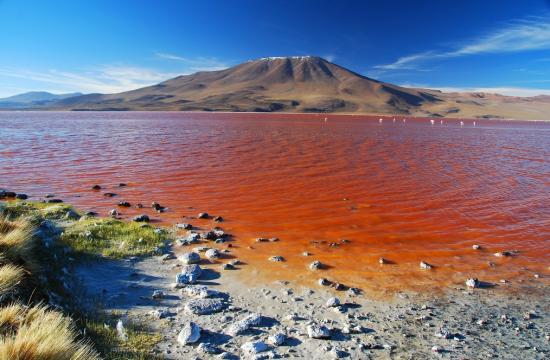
[(405, 191)]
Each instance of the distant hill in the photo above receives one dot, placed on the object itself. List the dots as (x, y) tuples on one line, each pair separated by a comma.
[(304, 84), (33, 98)]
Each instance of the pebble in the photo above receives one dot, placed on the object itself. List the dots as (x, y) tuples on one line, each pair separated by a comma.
[(218, 219), (476, 247), (323, 282), (160, 313), (207, 348), (425, 265), (502, 254), (316, 265), (202, 215), (276, 258), (201, 291), (254, 347), (382, 261), (184, 226), (124, 204), (158, 294)]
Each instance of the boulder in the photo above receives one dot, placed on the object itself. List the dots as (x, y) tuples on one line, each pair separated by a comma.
[(212, 254), (189, 334), (189, 258), (189, 275), (315, 331), (204, 306)]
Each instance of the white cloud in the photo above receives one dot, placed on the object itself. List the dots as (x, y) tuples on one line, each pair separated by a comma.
[(522, 35), (196, 63), (503, 90), (105, 79)]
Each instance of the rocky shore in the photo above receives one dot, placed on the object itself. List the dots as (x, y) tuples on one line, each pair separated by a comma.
[(194, 292)]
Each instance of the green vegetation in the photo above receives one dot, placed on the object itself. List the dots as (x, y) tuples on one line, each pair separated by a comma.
[(33, 270), (112, 238)]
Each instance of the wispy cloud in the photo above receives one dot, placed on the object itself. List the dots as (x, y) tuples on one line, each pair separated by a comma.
[(194, 64), (105, 79), (521, 35), (503, 90)]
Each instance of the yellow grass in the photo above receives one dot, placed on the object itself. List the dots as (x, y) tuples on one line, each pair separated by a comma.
[(10, 277)]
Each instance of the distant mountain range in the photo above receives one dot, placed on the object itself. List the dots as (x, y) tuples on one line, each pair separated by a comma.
[(300, 84), (33, 99)]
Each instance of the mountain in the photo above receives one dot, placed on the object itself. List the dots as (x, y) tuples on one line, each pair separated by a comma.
[(304, 84), (33, 99)]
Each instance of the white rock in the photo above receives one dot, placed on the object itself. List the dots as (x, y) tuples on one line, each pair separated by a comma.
[(276, 258), (189, 334), (333, 302), (158, 294), (204, 306), (315, 331), (189, 275), (277, 339), (189, 258), (201, 291), (425, 265), (316, 265), (253, 347), (206, 348), (121, 331), (212, 254), (472, 283), (243, 325)]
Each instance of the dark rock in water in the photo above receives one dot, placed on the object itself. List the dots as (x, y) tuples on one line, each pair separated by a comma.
[(139, 205), (54, 201), (49, 196), (218, 219), (209, 235), (90, 213), (109, 194), (21, 196), (203, 215), (113, 213), (7, 194), (122, 185), (156, 206), (141, 218), (124, 204), (96, 187)]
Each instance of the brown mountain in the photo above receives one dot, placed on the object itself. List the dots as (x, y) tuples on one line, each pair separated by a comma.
[(294, 84)]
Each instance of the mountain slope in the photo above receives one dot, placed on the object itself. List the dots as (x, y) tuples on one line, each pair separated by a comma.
[(33, 98), (304, 84), (300, 84)]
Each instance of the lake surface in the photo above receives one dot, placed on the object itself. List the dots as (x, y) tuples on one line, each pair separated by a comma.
[(405, 191)]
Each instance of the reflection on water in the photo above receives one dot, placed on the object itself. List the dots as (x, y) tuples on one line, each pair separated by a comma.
[(405, 191)]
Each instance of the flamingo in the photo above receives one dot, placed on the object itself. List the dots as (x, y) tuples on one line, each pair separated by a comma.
[(404, 121), (474, 123), (462, 123), (380, 121), (441, 122), (432, 121)]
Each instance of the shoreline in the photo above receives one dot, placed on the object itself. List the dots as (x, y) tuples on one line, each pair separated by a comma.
[(296, 321)]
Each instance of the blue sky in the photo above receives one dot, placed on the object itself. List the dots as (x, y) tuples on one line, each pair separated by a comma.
[(110, 46)]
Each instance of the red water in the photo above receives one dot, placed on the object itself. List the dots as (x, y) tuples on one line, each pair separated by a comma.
[(405, 191)]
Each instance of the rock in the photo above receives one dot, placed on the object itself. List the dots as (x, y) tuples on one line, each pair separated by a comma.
[(305, 253), (382, 261), (212, 254), (203, 215), (333, 302), (228, 267), (158, 294), (189, 258), (21, 196), (184, 226), (189, 275), (109, 194), (262, 239), (121, 331), (160, 313), (425, 265), (276, 258), (472, 283), (277, 339), (122, 184), (157, 207), (168, 256), (113, 213), (204, 306), (201, 291), (189, 334), (324, 282), (315, 331), (96, 187), (235, 262), (437, 349), (253, 347), (207, 348), (90, 213), (124, 204), (316, 265), (209, 235), (218, 219), (274, 239), (476, 247), (443, 334), (338, 286), (141, 218), (503, 254), (338, 354), (243, 325), (72, 215), (54, 201)]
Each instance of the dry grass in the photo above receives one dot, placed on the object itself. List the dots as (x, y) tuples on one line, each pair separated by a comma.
[(38, 333), (10, 277), (17, 243)]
